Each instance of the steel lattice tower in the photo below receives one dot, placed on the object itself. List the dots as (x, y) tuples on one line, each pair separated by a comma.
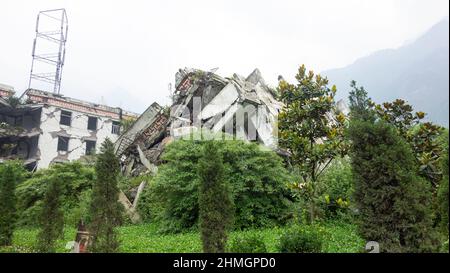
[(49, 49)]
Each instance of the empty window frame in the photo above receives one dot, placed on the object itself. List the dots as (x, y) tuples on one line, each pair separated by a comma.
[(92, 123), (66, 118), (90, 147), (63, 144), (115, 128)]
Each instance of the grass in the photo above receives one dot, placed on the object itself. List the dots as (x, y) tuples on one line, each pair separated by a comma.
[(341, 238)]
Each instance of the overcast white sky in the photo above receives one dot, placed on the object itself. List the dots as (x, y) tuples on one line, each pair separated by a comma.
[(125, 53)]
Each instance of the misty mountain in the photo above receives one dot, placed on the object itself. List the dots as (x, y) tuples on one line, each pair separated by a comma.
[(417, 72)]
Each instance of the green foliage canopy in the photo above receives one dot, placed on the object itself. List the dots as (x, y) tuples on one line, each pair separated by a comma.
[(256, 177)]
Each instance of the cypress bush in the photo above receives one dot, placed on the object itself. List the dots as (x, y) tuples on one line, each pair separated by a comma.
[(105, 210), (11, 173), (394, 202), (215, 204), (51, 218)]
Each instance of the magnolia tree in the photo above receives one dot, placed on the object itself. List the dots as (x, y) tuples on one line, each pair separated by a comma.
[(311, 130)]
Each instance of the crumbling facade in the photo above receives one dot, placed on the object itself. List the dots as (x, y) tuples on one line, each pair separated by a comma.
[(52, 128)]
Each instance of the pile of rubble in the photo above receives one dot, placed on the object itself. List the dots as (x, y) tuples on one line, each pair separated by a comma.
[(243, 108), (202, 101)]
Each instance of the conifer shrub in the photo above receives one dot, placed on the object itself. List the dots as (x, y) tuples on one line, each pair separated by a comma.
[(51, 218), (393, 201), (11, 174), (216, 209), (105, 211)]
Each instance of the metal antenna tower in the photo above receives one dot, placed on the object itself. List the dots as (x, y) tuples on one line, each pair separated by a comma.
[(49, 49)]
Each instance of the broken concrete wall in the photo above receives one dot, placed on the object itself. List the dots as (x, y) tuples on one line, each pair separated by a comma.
[(77, 133), (202, 100)]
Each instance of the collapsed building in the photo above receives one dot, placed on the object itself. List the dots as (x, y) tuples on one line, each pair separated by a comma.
[(239, 107), (244, 108), (51, 128)]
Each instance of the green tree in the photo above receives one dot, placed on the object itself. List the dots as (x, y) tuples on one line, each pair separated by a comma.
[(105, 209), (310, 129), (422, 137), (215, 203), (360, 104), (75, 179), (11, 173), (394, 203), (256, 176), (51, 218)]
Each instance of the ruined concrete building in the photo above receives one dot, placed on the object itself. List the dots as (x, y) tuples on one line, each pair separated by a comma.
[(52, 128), (244, 108)]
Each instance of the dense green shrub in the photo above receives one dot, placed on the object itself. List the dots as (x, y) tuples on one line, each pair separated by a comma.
[(73, 215), (257, 179), (394, 203), (128, 184), (443, 194), (11, 173), (75, 178), (337, 188), (302, 239), (247, 243), (216, 209)]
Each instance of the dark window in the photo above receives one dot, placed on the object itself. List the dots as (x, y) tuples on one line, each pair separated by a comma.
[(18, 121), (90, 147), (115, 127), (66, 118), (92, 123), (63, 144)]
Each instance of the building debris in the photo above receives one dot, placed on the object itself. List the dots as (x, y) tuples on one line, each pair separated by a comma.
[(202, 101), (246, 108)]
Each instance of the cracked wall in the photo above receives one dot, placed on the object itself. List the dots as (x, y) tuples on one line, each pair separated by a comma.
[(78, 135)]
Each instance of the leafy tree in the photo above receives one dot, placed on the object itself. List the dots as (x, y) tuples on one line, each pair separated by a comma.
[(422, 137), (257, 179), (127, 123), (215, 203), (51, 218), (337, 182), (13, 101), (394, 203), (105, 210), (11, 173), (75, 179), (310, 129)]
